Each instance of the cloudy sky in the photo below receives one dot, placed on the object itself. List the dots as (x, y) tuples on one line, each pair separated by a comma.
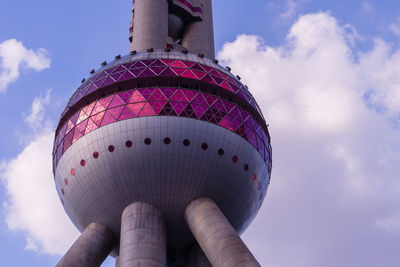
[(325, 73)]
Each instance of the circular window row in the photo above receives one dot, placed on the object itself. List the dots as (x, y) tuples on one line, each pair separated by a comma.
[(167, 141)]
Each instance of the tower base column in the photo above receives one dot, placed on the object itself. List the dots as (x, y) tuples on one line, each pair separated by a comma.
[(143, 237), (91, 248), (215, 235)]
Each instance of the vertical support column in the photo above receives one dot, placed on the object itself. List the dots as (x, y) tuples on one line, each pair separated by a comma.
[(150, 24), (197, 258), (219, 241), (91, 248), (199, 35), (143, 237), (117, 261)]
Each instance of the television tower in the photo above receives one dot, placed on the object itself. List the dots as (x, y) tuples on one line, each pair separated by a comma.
[(162, 157)]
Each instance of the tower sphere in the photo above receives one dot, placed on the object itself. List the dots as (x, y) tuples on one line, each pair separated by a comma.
[(111, 146), (163, 127)]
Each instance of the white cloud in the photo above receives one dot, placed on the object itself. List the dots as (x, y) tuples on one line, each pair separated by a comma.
[(32, 205), (395, 27), (292, 7), (14, 56), (36, 119), (334, 196)]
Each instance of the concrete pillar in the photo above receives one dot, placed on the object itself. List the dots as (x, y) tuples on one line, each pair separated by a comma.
[(215, 235), (91, 248), (199, 35), (143, 237), (117, 261), (197, 258), (150, 24)]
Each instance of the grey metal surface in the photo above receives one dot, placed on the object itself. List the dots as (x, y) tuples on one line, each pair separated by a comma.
[(219, 241), (199, 35), (143, 237), (91, 248), (166, 176), (150, 24)]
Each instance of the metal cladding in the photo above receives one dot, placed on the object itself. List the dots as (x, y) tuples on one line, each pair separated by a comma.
[(178, 24), (151, 132)]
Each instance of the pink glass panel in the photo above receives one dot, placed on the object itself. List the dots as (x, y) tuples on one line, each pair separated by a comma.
[(136, 108), (157, 95), (148, 62), (168, 72), (127, 114), (168, 62), (197, 67), (125, 96), (199, 100), (137, 71), (116, 111), (138, 64), (147, 111), (190, 94), (199, 74), (146, 93), (98, 117), (218, 80), (189, 74), (108, 81), (208, 79), (168, 92), (136, 97), (209, 98), (157, 105), (107, 119), (106, 101), (158, 70), (90, 126), (215, 73), (179, 107), (178, 64), (228, 105), (199, 110), (127, 76), (157, 63), (116, 102), (226, 123), (120, 68), (146, 73), (188, 64), (179, 96), (178, 71)]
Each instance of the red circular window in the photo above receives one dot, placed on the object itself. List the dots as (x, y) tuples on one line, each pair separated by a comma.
[(147, 141), (66, 181), (246, 167), (128, 143), (167, 140), (111, 148), (72, 171), (221, 152), (254, 176), (95, 154), (186, 142), (83, 163), (204, 146), (62, 191), (235, 159)]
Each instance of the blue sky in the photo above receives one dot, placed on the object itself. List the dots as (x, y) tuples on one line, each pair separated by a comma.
[(325, 74)]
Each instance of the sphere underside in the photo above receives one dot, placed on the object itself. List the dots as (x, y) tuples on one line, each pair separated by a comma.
[(165, 161)]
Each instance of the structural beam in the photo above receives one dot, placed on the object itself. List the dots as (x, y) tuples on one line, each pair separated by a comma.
[(143, 237), (91, 248), (215, 235)]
